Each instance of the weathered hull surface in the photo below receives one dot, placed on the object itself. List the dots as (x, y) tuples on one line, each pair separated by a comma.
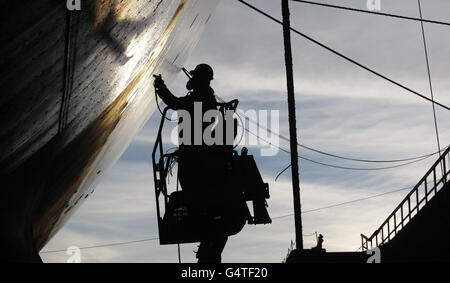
[(76, 88)]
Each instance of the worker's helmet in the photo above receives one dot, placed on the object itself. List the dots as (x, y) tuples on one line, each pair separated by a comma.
[(203, 71)]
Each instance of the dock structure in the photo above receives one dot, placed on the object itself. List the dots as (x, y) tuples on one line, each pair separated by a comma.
[(414, 232)]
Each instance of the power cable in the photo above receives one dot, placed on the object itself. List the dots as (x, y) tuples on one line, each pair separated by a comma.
[(343, 203), (430, 82), (323, 152), (273, 218), (335, 166), (104, 245), (351, 168), (345, 57), (372, 12)]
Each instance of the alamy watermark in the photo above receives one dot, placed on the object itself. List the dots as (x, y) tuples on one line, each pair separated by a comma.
[(73, 5), (74, 254), (374, 255), (374, 5), (214, 127)]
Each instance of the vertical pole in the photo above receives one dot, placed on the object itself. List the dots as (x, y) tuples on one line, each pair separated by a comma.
[(292, 124)]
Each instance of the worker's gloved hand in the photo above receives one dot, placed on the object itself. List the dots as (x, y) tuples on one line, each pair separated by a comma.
[(159, 82)]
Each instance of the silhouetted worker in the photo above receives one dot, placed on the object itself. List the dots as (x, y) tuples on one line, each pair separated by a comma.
[(199, 91), (200, 167), (319, 242)]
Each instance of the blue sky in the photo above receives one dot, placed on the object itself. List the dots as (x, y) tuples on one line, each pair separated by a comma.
[(341, 109)]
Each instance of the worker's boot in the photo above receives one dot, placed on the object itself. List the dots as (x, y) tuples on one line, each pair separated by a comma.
[(210, 251)]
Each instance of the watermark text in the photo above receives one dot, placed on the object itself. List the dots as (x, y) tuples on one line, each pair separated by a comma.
[(73, 5)]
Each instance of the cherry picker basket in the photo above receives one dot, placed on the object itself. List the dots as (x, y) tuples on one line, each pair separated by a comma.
[(213, 197)]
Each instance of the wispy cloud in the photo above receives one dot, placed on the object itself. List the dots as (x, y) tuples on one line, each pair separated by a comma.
[(340, 108)]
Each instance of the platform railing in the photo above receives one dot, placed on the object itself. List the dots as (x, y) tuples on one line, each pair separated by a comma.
[(433, 181), (159, 177), (162, 162)]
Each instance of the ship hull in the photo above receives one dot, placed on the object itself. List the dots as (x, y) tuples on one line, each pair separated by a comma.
[(76, 88)]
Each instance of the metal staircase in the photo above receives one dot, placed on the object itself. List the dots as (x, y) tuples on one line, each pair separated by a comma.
[(433, 181)]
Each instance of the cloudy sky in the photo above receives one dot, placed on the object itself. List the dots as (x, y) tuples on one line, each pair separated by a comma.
[(341, 109)]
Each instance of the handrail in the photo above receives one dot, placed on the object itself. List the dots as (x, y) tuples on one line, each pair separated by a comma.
[(159, 170), (413, 202), (159, 181), (158, 141)]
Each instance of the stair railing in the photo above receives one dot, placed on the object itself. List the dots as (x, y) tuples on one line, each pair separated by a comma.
[(420, 195)]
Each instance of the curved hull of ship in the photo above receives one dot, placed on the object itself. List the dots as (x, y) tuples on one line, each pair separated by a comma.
[(76, 88)]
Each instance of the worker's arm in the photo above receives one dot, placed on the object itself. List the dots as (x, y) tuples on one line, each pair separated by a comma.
[(164, 93)]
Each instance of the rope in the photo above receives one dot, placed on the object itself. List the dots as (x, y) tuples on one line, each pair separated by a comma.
[(160, 111)]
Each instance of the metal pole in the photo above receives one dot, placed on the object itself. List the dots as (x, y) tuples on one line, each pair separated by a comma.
[(292, 124)]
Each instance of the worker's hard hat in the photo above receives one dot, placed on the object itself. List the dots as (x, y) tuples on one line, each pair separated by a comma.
[(204, 71)]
